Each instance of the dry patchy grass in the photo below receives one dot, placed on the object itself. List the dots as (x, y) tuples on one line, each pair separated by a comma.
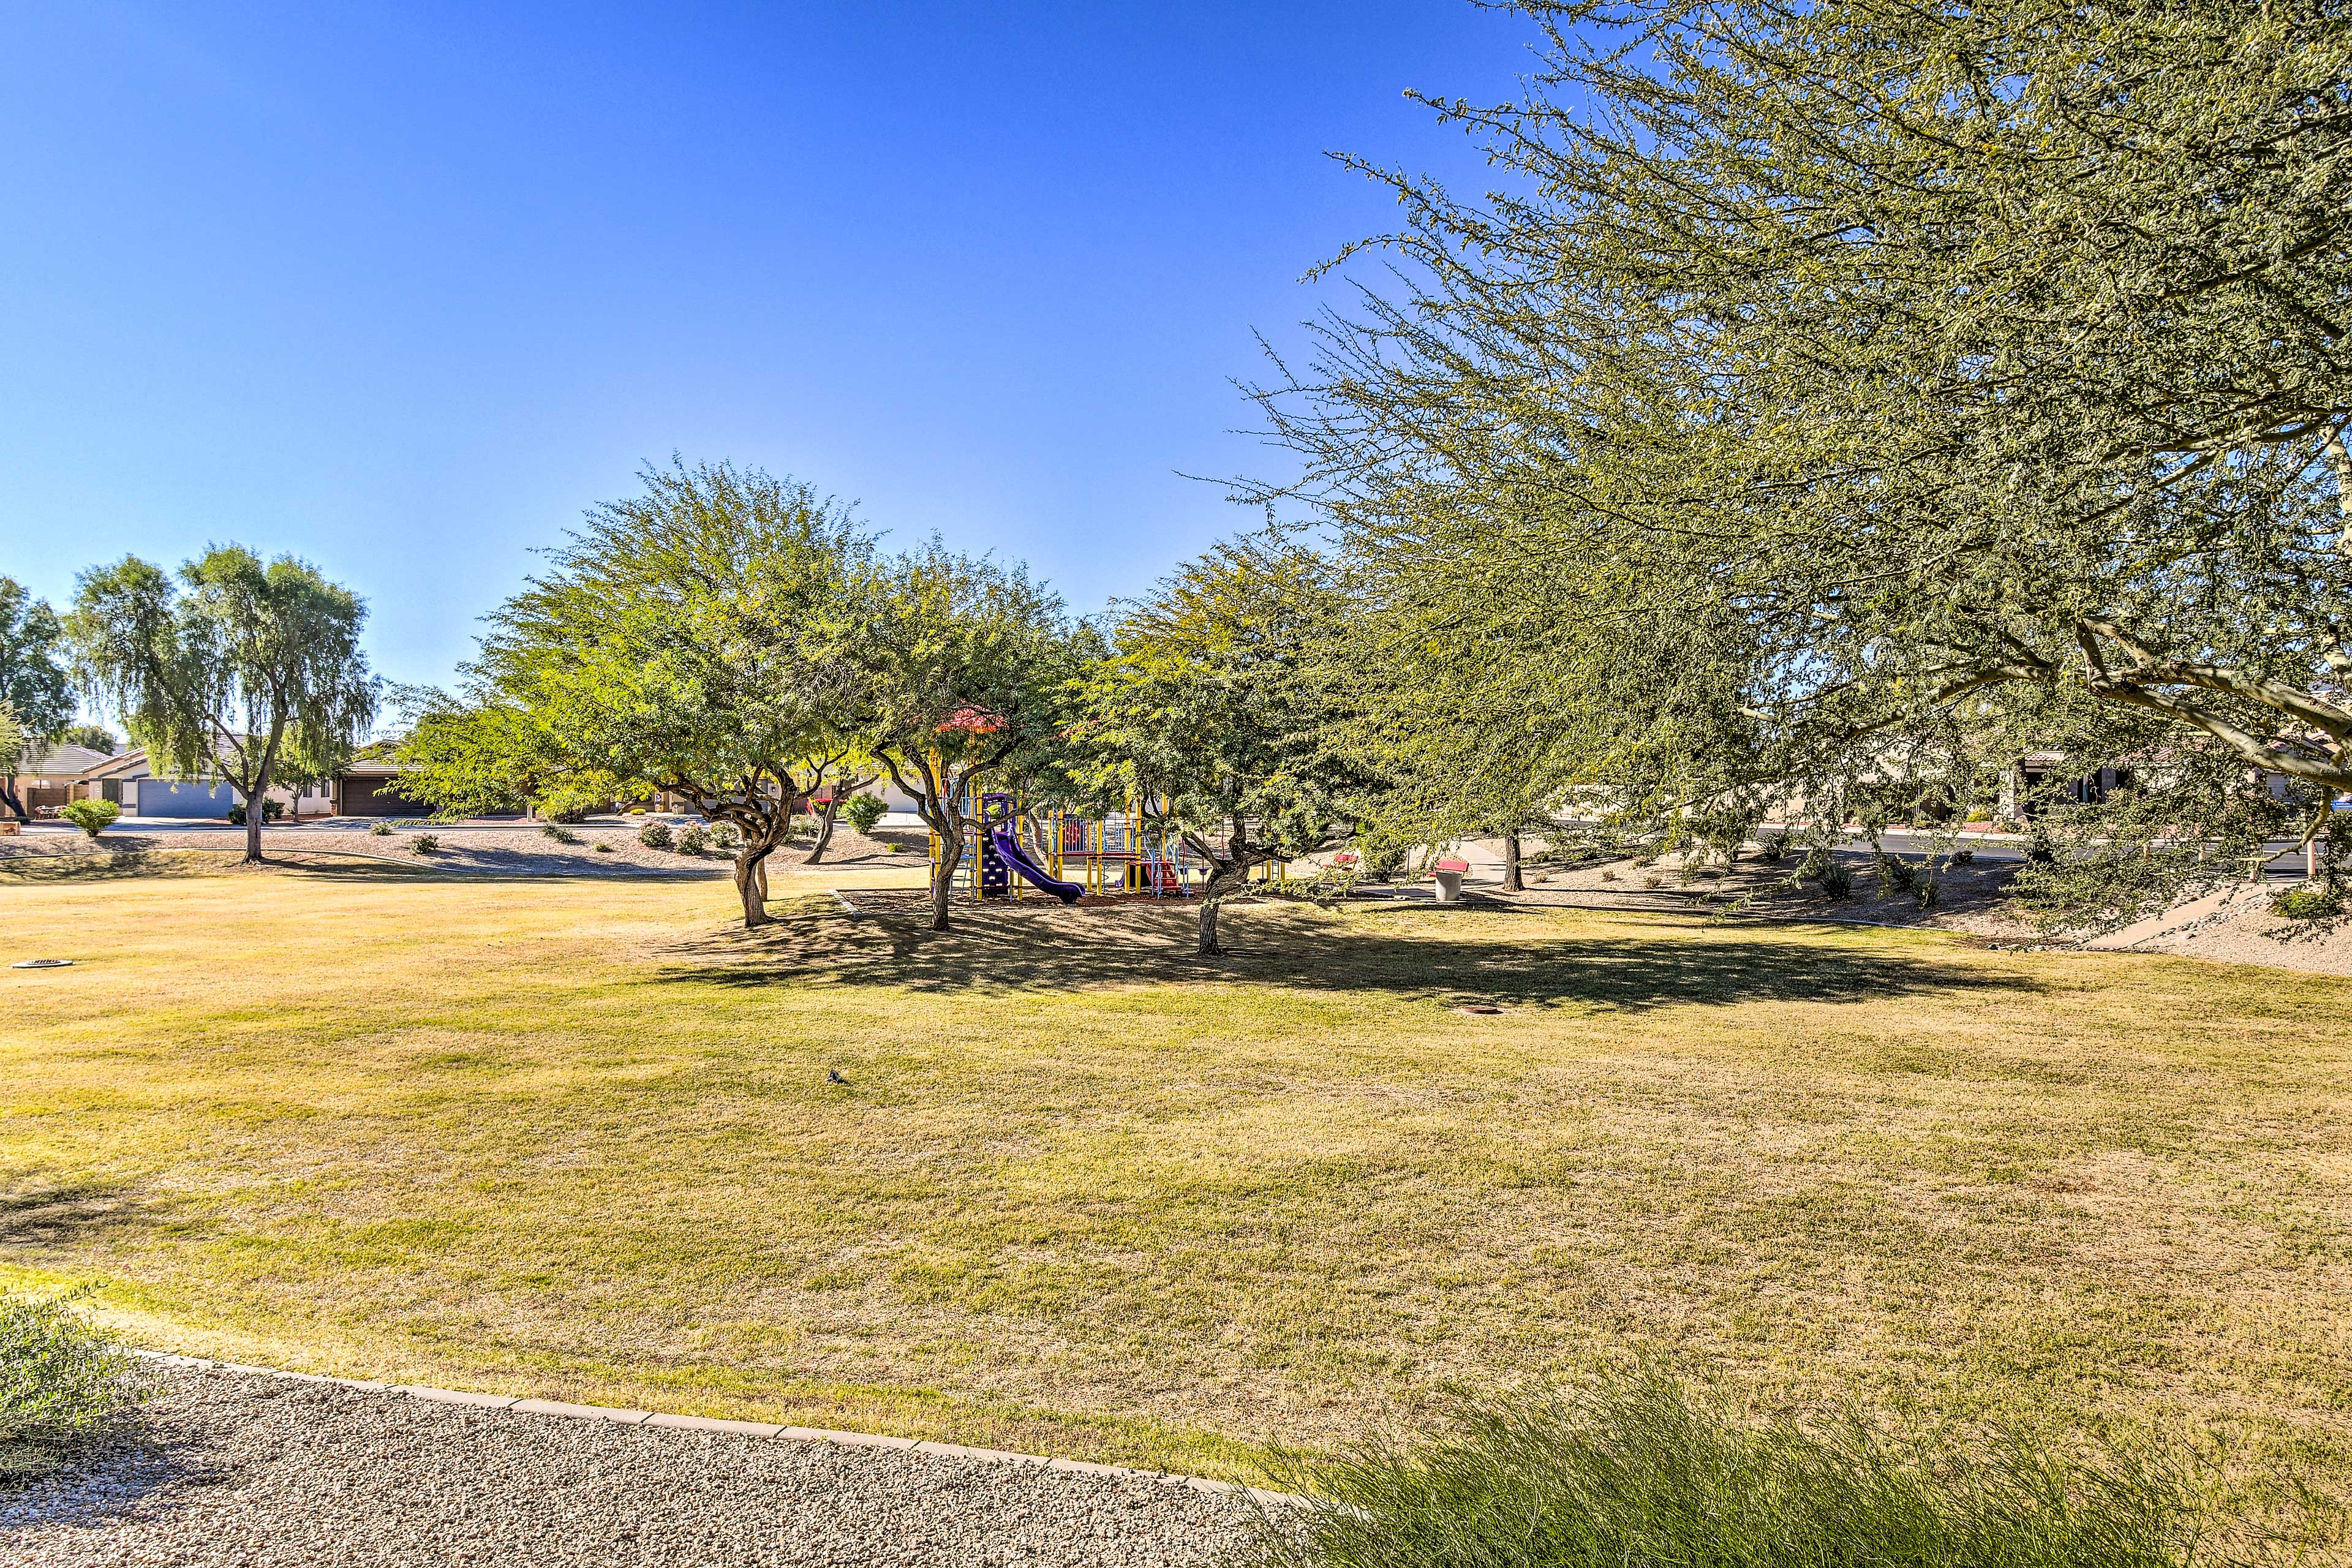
[(1084, 1192)]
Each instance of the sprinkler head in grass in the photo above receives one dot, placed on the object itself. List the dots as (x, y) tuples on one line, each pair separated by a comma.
[(42, 963)]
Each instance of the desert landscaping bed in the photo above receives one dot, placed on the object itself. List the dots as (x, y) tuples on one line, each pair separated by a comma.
[(233, 1467), (524, 850)]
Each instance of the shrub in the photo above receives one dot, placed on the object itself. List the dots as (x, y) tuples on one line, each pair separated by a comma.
[(425, 843), (1641, 1474), (1964, 857), (1773, 848), (723, 835), (271, 810), (63, 1380), (381, 830), (1836, 882), (2307, 903), (601, 848), (92, 816), (692, 838), (561, 834), (654, 835), (862, 812), (1895, 875)]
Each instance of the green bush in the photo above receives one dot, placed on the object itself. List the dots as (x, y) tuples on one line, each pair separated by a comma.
[(381, 830), (92, 816), (271, 810), (1639, 1474), (1772, 849), (63, 1380), (1895, 875), (425, 843), (1836, 882), (2307, 903), (561, 834), (723, 835), (654, 835), (692, 839), (862, 812)]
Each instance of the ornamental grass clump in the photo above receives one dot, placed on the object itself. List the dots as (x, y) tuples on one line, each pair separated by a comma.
[(63, 1382), (1641, 1474)]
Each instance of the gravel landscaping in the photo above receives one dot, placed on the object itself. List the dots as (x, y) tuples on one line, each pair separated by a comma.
[(508, 849), (244, 1469)]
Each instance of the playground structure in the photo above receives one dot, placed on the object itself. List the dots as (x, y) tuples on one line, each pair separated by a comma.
[(1012, 853)]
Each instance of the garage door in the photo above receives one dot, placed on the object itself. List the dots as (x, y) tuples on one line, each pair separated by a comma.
[(378, 797), (184, 797)]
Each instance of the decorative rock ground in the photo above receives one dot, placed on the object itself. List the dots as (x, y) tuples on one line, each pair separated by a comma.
[(262, 1470)]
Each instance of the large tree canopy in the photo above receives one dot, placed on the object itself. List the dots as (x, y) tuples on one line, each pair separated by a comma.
[(1206, 715), (1831, 373), (698, 639), (33, 683), (213, 675), (965, 664)]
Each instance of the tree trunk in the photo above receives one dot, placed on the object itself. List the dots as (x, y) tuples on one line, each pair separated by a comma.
[(1223, 881), (824, 827), (254, 810), (1512, 881), (751, 885), (943, 876), (1207, 947)]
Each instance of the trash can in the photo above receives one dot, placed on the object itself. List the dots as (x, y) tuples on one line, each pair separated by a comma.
[(1448, 877)]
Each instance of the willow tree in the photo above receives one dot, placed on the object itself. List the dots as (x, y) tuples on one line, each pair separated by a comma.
[(695, 639), (1962, 379), (215, 673)]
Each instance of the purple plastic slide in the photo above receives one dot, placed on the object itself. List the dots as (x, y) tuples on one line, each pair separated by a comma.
[(1009, 850)]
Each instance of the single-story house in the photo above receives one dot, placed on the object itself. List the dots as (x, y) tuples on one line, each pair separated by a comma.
[(52, 777), (132, 782)]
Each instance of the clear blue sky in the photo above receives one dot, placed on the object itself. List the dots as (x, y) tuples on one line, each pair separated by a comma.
[(403, 287)]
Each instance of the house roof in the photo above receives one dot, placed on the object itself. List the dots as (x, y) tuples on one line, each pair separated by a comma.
[(60, 761), (130, 764)]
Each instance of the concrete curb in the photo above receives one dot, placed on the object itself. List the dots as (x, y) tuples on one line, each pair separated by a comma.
[(518, 1406)]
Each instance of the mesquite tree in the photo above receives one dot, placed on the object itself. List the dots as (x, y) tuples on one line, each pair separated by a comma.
[(1872, 378), (213, 676), (1204, 713), (695, 640), (965, 664)]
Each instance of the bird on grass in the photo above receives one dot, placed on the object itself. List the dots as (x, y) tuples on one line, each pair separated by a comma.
[(832, 1075)]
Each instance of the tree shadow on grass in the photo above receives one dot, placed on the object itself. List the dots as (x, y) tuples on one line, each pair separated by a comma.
[(1463, 956), (41, 1216)]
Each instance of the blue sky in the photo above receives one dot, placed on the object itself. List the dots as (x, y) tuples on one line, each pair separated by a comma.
[(402, 288)]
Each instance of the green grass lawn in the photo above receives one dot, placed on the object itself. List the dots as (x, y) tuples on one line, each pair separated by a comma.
[(1084, 1194)]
